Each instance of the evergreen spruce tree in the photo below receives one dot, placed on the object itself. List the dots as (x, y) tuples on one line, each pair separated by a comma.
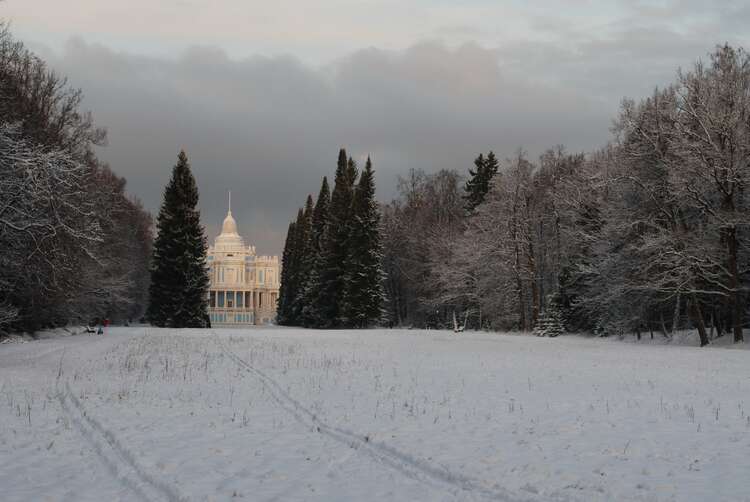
[(303, 262), (363, 302), (294, 269), (312, 287), (334, 246), (478, 184), (491, 166), (473, 186), (351, 174), (285, 286), (178, 294)]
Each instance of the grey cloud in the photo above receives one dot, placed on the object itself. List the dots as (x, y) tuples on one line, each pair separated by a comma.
[(269, 128)]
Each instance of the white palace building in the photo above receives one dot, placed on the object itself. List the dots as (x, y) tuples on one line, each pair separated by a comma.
[(244, 287)]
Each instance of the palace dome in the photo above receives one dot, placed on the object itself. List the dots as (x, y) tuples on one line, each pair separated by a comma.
[(229, 240), (230, 226)]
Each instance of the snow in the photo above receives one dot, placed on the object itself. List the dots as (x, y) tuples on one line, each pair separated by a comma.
[(292, 414)]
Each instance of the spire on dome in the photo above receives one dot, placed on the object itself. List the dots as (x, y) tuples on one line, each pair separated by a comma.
[(230, 226)]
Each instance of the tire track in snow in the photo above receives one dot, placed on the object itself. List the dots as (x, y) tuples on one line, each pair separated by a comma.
[(118, 459), (404, 463)]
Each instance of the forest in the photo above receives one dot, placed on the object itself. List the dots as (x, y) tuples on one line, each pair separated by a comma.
[(74, 246), (647, 234)]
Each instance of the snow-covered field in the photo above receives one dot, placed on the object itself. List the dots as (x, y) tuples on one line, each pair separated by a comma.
[(285, 414)]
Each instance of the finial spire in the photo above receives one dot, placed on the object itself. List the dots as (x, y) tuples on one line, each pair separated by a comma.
[(230, 202)]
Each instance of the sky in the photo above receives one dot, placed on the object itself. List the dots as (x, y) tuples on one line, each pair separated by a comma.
[(262, 95)]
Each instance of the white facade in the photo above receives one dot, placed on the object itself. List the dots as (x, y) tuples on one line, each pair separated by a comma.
[(244, 287)]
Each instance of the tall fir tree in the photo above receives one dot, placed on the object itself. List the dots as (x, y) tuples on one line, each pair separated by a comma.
[(178, 295), (335, 246), (294, 266), (473, 186), (351, 174), (285, 286), (491, 166), (304, 262), (312, 287), (480, 178), (362, 305)]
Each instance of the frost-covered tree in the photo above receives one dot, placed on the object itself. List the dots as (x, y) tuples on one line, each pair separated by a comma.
[(712, 140), (551, 320), (677, 209), (86, 243), (48, 228), (419, 229)]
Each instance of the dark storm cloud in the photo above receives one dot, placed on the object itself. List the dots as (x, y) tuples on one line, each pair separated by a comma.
[(269, 128)]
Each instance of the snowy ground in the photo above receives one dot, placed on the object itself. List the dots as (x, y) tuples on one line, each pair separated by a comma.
[(283, 414)]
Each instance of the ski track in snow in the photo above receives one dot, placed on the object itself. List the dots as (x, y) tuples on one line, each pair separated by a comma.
[(118, 459), (406, 464), (280, 415), (298, 485)]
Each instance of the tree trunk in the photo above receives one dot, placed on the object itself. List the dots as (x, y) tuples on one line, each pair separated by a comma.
[(534, 285), (519, 282), (734, 283), (676, 316), (519, 285), (521, 305), (698, 320), (663, 326), (542, 258)]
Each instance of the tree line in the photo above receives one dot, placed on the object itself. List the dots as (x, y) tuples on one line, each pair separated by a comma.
[(74, 246), (646, 234), (332, 273)]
